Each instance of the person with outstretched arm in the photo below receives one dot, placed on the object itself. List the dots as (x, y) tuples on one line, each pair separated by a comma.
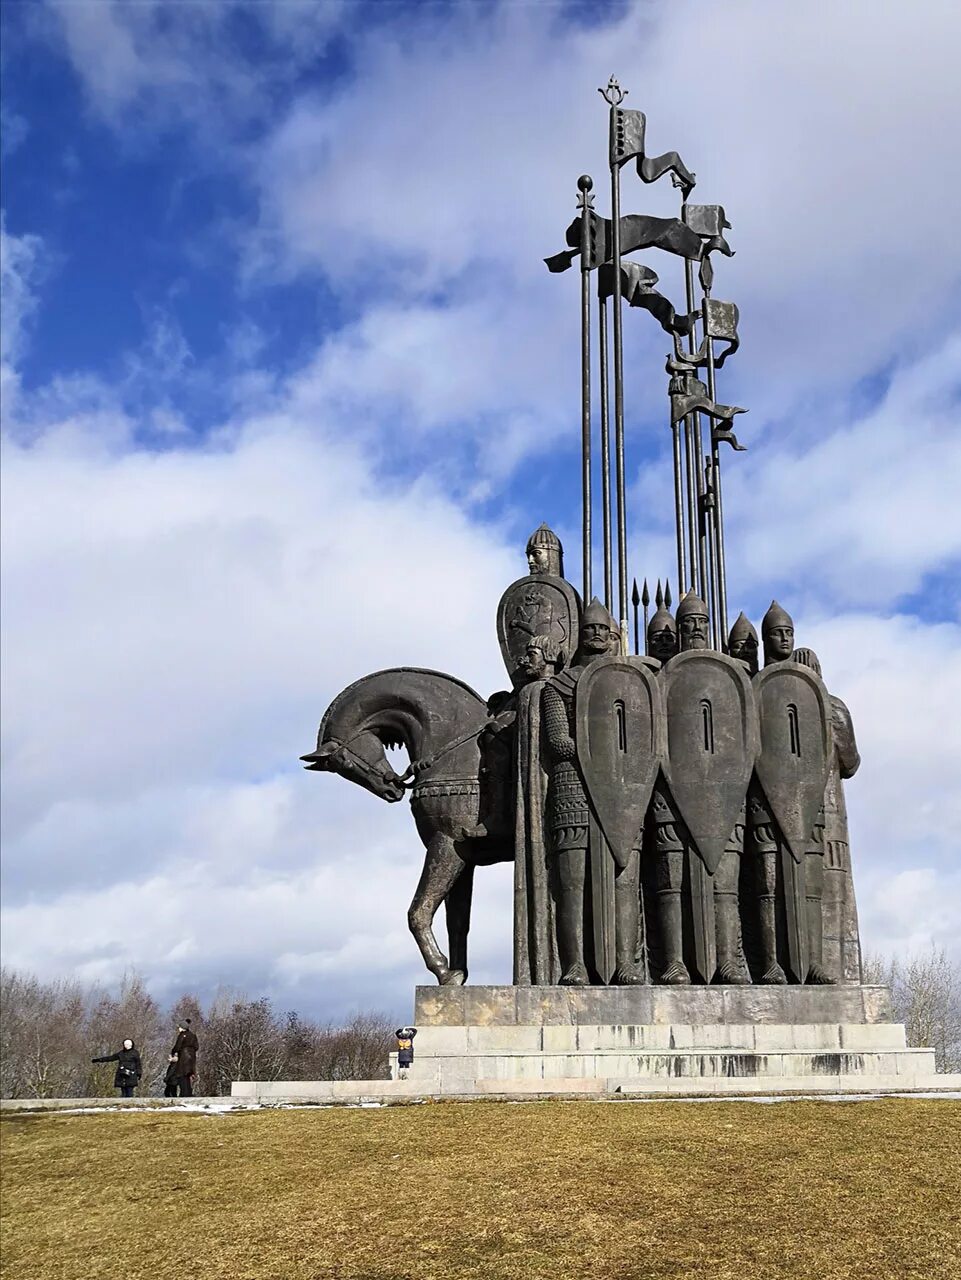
[(128, 1073)]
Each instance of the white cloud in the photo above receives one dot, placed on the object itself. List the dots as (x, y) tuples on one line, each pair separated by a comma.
[(177, 620), (20, 260)]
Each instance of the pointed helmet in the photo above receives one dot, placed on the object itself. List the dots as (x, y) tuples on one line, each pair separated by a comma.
[(544, 537), (544, 552), (596, 615), (662, 620), (742, 630), (691, 604), (775, 617)]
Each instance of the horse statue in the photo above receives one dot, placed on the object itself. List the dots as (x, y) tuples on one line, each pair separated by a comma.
[(460, 771)]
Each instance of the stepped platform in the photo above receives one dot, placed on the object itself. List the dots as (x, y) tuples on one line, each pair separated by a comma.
[(642, 1042)]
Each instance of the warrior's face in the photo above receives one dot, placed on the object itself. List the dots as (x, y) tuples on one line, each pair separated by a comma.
[(779, 643), (693, 629), (595, 638), (533, 663), (663, 644), (539, 560), (746, 650)]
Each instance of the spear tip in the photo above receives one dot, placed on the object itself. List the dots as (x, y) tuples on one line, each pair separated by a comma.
[(636, 595), (645, 595), (659, 595), (667, 594)]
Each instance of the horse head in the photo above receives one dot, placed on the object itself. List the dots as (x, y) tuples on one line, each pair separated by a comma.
[(363, 760)]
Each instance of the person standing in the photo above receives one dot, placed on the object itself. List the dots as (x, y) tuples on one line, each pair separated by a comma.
[(185, 1048), (170, 1077), (405, 1050), (128, 1073)]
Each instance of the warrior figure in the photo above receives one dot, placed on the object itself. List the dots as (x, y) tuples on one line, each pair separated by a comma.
[(662, 635), (777, 632), (742, 643), (832, 913), (543, 603), (544, 552), (673, 848), (535, 944), (786, 806), (569, 816)]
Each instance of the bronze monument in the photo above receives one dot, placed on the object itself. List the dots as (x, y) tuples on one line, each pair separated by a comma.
[(674, 816)]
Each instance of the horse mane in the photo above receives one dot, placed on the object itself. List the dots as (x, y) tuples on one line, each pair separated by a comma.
[(387, 671)]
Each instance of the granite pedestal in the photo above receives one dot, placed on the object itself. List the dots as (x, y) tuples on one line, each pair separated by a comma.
[(641, 1041)]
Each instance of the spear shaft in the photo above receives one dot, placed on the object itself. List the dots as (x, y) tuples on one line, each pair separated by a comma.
[(696, 489), (718, 507), (679, 508), (584, 185), (615, 99), (605, 453)]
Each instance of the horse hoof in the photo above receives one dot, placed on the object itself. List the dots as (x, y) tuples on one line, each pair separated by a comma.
[(452, 978)]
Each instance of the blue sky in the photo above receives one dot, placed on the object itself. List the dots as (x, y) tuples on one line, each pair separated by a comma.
[(286, 385)]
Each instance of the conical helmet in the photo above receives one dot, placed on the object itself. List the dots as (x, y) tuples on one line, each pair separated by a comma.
[(596, 615), (544, 552), (776, 617), (742, 630), (662, 620), (691, 604), (544, 537)]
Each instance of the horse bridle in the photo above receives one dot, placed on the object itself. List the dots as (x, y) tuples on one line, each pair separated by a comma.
[(408, 779)]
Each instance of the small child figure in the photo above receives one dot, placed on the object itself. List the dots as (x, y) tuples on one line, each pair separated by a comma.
[(405, 1049), (170, 1077)]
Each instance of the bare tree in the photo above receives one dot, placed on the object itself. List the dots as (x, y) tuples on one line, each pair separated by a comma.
[(49, 1031), (43, 1037), (242, 1041), (926, 992)]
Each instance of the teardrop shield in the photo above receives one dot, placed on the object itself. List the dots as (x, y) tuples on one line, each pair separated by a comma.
[(619, 735), (796, 746), (712, 742)]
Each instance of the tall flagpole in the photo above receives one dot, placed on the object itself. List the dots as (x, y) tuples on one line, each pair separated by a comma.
[(614, 95), (605, 450), (585, 200), (697, 488), (718, 509)]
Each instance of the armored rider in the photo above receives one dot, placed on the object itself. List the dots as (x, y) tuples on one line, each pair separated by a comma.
[(569, 818), (545, 553)]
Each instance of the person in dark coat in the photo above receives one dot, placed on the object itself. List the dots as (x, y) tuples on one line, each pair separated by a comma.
[(170, 1077), (405, 1048), (185, 1047), (128, 1073)]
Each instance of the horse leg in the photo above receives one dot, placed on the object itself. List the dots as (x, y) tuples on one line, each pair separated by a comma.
[(458, 918), (442, 868)]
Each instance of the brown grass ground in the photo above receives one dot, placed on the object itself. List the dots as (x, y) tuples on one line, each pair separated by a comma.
[(554, 1189)]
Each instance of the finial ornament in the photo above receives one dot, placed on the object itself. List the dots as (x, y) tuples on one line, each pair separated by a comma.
[(613, 93)]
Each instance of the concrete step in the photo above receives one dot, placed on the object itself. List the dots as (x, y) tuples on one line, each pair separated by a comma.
[(358, 1092), (457, 1072), (435, 1041)]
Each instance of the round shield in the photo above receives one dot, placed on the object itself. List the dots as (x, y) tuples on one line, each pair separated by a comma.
[(711, 744)]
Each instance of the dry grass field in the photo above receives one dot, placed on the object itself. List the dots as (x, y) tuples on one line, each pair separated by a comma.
[(438, 1192)]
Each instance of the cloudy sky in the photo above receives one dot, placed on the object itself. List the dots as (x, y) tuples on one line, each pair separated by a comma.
[(286, 385)]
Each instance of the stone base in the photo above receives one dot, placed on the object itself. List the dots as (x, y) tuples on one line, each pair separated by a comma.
[(642, 1041), (641, 1006), (648, 1039)]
